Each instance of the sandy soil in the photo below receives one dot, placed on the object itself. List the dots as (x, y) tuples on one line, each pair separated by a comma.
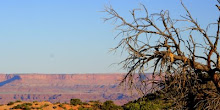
[(43, 106)]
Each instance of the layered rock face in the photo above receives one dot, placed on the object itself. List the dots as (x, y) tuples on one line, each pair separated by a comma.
[(63, 87)]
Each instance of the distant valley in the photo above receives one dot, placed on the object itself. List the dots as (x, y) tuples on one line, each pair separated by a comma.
[(63, 87)]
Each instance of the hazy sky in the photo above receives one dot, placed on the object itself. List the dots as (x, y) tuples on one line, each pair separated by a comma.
[(69, 36)]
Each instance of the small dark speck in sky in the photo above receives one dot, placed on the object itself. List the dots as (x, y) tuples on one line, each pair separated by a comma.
[(51, 55)]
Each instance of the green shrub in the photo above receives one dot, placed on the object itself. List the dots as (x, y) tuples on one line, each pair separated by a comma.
[(45, 105), (18, 101), (97, 101), (54, 107), (96, 105), (35, 101), (62, 106), (39, 108), (42, 106), (84, 108), (10, 103), (57, 103), (109, 105), (17, 106), (75, 102), (147, 104), (28, 104), (85, 103), (24, 106)]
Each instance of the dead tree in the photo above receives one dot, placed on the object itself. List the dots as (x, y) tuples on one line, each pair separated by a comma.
[(159, 42)]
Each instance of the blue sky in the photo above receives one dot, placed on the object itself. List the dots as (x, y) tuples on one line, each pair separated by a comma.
[(69, 36)]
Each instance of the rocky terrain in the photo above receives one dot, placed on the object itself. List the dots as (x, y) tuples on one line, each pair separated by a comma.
[(63, 87)]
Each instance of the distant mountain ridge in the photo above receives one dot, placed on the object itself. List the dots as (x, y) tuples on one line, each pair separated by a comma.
[(63, 87)]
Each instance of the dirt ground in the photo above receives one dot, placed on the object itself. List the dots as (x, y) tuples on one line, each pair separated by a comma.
[(40, 106)]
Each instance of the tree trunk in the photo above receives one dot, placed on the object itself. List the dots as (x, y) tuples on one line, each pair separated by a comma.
[(215, 79)]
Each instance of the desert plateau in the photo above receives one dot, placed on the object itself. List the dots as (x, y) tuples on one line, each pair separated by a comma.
[(63, 87)]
